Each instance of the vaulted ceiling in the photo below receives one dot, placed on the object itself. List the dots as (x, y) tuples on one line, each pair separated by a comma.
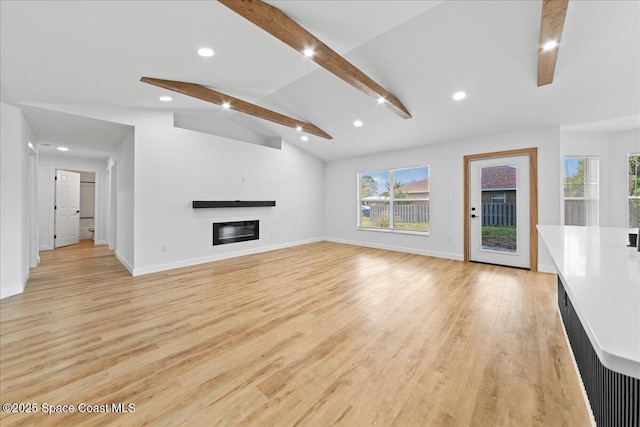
[(94, 54)]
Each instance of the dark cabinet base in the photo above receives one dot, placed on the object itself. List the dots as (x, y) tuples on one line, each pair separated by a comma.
[(614, 397)]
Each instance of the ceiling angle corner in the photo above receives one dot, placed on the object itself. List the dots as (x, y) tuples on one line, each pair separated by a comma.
[(285, 29)]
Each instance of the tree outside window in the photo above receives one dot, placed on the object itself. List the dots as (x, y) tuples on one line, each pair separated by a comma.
[(395, 199), (634, 190), (581, 191)]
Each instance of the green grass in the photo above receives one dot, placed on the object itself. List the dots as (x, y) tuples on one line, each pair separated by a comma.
[(368, 222), (499, 238), (384, 223), (502, 232), (415, 226)]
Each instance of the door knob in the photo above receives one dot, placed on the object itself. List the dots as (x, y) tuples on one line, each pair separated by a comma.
[(473, 216), (77, 211)]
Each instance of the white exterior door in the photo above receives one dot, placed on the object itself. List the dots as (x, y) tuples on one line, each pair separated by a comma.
[(67, 208), (499, 203)]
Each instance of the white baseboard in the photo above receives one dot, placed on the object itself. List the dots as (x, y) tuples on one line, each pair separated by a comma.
[(11, 290), (46, 247), (398, 249), (190, 262), (99, 242), (124, 262)]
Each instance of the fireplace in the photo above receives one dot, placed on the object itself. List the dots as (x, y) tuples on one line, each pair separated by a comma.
[(238, 231)]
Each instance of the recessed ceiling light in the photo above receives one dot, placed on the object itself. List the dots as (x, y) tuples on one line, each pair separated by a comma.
[(358, 123), (226, 105), (305, 138), (205, 51), (299, 128), (550, 45), (165, 98), (381, 100), (309, 52), (63, 149), (458, 96)]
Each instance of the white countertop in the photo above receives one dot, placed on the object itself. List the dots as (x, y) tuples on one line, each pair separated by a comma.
[(601, 275)]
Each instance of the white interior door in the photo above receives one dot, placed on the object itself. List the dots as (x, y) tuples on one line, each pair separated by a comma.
[(499, 203), (67, 208)]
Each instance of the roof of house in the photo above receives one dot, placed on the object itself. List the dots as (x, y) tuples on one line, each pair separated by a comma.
[(499, 177), (421, 186)]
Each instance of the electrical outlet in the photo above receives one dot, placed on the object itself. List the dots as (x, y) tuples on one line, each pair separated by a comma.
[(165, 247)]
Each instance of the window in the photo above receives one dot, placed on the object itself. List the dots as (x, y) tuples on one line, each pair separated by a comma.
[(581, 191), (498, 197), (405, 192), (634, 190)]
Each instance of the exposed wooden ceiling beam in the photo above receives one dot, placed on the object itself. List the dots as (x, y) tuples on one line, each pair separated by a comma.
[(553, 14), (279, 25), (204, 93)]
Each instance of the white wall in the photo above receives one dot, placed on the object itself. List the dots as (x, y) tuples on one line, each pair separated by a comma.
[(47, 165), (15, 135), (160, 169), (175, 166), (27, 136), (612, 148), (170, 167), (446, 237), (32, 182), (101, 233), (620, 144), (124, 160)]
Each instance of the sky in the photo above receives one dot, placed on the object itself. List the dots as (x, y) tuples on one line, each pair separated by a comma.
[(570, 167), (401, 175)]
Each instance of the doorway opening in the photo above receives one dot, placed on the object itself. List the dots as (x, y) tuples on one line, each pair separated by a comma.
[(74, 207), (501, 208)]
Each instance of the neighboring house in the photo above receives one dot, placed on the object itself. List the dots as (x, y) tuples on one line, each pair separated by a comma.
[(413, 206), (370, 200), (499, 184), (417, 189)]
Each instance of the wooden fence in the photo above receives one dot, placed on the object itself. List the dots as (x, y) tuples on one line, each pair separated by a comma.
[(500, 214), (575, 212), (410, 212)]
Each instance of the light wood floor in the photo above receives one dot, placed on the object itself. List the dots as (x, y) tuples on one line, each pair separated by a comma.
[(315, 335)]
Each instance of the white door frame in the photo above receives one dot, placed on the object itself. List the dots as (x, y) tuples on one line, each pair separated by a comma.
[(533, 199), (67, 208), (98, 220)]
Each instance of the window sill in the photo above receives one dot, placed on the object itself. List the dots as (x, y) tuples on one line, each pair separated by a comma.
[(383, 230)]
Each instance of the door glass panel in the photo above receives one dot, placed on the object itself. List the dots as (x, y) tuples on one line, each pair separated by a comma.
[(498, 187)]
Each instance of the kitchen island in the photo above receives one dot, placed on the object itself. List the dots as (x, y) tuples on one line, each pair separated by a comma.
[(599, 302)]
